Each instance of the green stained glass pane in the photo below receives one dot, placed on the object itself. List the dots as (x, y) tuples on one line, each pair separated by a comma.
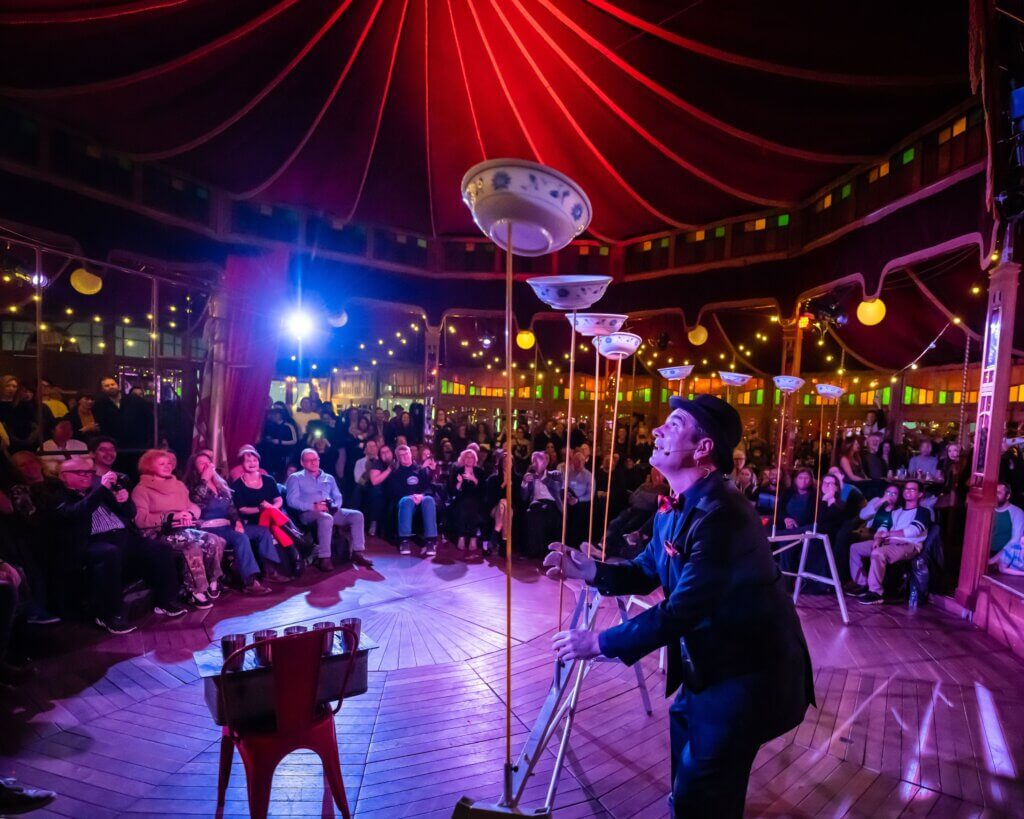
[(664, 395), (942, 396), (538, 391), (665, 242), (807, 399), (720, 231), (887, 396), (783, 219), (908, 156), (851, 399), (759, 399), (908, 395), (620, 395), (845, 191), (778, 398)]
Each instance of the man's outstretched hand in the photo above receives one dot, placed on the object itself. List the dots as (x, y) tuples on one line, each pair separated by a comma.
[(563, 563), (577, 644)]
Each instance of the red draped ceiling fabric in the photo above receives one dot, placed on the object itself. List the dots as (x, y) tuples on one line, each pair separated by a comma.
[(253, 290), (668, 114)]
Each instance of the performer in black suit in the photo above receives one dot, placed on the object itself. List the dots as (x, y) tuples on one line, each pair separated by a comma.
[(734, 640)]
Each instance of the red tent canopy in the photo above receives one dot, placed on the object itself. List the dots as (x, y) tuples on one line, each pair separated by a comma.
[(667, 115)]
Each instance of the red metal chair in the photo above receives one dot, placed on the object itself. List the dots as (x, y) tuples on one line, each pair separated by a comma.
[(299, 721)]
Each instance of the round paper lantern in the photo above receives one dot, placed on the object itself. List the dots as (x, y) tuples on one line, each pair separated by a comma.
[(340, 320), (86, 283), (871, 311), (698, 335), (525, 339)]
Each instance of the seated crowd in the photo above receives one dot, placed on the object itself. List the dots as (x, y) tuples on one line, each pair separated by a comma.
[(79, 519)]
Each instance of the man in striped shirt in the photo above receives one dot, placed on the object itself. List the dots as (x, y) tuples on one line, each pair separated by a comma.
[(902, 540)]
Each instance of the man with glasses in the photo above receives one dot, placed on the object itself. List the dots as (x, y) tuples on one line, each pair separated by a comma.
[(93, 529), (902, 539)]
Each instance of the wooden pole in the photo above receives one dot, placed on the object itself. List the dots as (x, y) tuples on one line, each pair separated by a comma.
[(778, 471), (611, 459), (817, 480), (508, 516), (568, 455), (593, 454)]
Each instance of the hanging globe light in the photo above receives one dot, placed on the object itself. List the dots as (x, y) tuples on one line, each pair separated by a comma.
[(698, 335), (870, 312), (525, 339), (86, 283)]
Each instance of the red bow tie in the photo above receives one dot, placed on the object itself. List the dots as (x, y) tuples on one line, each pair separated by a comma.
[(666, 503)]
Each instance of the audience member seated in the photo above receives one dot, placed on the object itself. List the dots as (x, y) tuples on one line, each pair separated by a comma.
[(106, 411), (579, 498), (747, 483), (304, 413), (643, 503), (1009, 559), (92, 529), (494, 503), (62, 445), (466, 489), (409, 488), (849, 492), (377, 498), (924, 463), (83, 420), (832, 514), (279, 437), (875, 468), (1007, 526), (258, 500), (314, 494), (10, 586), (442, 429), (796, 505), (850, 461), (21, 540), (217, 515), (164, 513), (902, 540), (541, 491)]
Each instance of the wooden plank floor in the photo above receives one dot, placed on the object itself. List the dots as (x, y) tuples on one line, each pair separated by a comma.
[(919, 714)]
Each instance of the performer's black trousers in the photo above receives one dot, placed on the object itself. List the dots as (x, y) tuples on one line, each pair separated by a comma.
[(710, 762)]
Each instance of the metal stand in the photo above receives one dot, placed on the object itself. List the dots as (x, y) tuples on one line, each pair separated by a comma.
[(560, 710), (804, 539)]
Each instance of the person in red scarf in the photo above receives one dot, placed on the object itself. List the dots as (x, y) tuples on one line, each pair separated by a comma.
[(258, 499)]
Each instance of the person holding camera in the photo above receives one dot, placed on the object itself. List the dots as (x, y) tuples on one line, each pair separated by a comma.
[(93, 530), (314, 494)]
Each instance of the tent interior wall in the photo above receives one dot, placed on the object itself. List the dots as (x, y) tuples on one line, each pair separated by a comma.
[(826, 191)]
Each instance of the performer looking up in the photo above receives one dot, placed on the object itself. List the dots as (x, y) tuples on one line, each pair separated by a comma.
[(733, 637)]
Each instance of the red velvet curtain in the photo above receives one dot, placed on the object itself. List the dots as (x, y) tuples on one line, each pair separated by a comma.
[(252, 293)]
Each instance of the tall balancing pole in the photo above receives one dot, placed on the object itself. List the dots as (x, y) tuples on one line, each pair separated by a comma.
[(787, 385), (593, 325), (526, 209), (614, 347)]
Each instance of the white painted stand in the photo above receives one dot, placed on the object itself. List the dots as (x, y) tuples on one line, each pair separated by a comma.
[(560, 710), (804, 539)]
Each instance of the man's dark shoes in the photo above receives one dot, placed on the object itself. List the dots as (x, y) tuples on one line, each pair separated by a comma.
[(170, 610), (871, 599), (16, 798), (115, 625), (854, 590), (324, 564), (359, 559), (405, 547)]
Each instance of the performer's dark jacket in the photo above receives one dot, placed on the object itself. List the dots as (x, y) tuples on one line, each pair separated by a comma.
[(732, 634)]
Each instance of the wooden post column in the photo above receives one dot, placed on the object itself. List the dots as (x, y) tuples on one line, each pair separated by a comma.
[(993, 397), (792, 348), (431, 375)]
